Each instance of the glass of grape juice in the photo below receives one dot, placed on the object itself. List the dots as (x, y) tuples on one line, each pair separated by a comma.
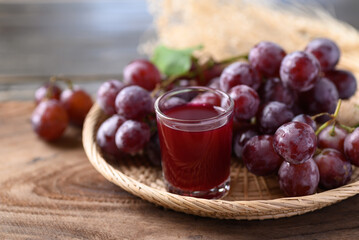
[(195, 132)]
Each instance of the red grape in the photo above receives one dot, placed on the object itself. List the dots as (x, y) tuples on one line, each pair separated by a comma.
[(49, 120), (77, 104), (344, 81), (173, 102), (274, 90), (299, 70), (322, 98), (106, 95), (259, 156), (272, 115), (153, 150), (241, 138), (239, 73), (207, 98), (132, 136), (106, 134), (334, 169), (266, 57), (185, 83), (214, 83), (298, 179), (295, 142), (246, 102), (351, 147), (208, 74), (186, 95), (297, 109), (142, 73), (305, 119), (47, 91), (133, 102), (331, 137), (326, 51)]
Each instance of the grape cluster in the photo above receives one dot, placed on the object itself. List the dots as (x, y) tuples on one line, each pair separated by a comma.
[(56, 108), (129, 105), (280, 136), (280, 100)]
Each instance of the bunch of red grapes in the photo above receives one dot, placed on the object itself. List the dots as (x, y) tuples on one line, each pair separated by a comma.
[(56, 108), (280, 92), (279, 100)]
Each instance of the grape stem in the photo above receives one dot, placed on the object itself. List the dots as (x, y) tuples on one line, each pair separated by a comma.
[(165, 83), (348, 129), (199, 71), (332, 132), (320, 114), (337, 108), (50, 90), (331, 121), (68, 81), (324, 125)]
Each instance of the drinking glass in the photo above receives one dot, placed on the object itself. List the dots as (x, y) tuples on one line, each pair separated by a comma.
[(195, 132)]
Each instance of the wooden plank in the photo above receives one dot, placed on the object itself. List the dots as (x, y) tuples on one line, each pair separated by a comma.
[(51, 191), (40, 37), (95, 37)]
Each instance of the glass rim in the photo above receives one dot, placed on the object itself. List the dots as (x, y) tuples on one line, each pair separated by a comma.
[(225, 113)]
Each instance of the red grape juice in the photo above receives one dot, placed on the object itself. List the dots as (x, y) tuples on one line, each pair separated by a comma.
[(196, 159)]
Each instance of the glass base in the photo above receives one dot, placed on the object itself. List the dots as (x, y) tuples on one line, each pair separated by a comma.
[(215, 193)]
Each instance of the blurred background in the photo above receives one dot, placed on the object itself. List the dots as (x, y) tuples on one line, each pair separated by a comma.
[(39, 38)]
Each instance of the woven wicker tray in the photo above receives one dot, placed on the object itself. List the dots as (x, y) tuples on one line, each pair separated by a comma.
[(250, 197)]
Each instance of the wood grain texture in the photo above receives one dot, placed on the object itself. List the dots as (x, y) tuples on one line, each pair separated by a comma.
[(50, 191)]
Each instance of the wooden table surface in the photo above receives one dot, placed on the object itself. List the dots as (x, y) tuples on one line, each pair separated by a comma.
[(51, 191)]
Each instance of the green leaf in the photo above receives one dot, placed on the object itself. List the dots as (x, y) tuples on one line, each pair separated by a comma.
[(173, 62)]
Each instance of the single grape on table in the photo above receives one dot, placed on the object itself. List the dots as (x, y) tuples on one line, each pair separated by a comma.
[(49, 120), (48, 90), (77, 103)]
